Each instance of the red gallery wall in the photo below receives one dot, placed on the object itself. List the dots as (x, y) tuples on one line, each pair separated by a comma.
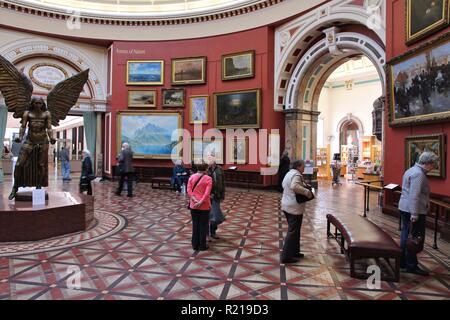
[(261, 40), (395, 137)]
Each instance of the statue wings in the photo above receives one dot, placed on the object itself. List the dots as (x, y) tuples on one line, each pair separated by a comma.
[(64, 96), (15, 87)]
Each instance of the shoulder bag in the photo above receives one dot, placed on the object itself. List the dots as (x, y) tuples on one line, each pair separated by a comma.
[(414, 244)]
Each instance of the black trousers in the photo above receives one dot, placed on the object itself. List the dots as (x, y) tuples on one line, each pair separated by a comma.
[(129, 177), (291, 246), (86, 186), (200, 219), (409, 259)]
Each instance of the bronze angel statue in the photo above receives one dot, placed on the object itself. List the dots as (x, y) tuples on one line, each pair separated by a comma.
[(32, 164)]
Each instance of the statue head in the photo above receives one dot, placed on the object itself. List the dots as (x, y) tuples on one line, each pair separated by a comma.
[(38, 102)]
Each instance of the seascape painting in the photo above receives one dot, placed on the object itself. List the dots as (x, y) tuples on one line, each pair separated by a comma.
[(142, 98), (189, 71), (149, 134), (145, 72)]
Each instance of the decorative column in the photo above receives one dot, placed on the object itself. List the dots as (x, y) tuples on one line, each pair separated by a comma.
[(98, 147), (295, 134), (3, 122)]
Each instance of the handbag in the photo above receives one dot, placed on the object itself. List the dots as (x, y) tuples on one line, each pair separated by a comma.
[(301, 198), (414, 244), (195, 185)]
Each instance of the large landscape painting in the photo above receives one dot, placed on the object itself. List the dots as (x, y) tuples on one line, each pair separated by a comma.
[(149, 134), (420, 85)]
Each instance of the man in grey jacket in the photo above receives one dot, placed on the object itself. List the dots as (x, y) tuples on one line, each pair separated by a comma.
[(413, 206), (126, 169), (293, 183)]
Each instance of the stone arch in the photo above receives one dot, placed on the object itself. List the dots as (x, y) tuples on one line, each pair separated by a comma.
[(294, 38), (26, 48)]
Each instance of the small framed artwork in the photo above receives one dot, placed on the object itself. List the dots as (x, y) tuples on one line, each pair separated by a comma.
[(189, 71), (416, 145), (239, 65), (418, 83), (173, 97), (424, 17), (198, 109), (145, 72), (203, 149), (237, 109), (142, 98), (238, 151)]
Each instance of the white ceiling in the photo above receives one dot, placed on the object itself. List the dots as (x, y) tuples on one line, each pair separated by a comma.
[(149, 8)]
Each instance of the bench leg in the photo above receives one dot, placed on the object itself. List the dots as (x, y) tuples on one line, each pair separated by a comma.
[(342, 243), (352, 265), (397, 270), (328, 229)]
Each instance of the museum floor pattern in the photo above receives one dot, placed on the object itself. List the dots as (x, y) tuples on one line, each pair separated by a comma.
[(139, 248)]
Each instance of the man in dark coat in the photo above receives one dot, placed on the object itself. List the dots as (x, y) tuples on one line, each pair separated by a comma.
[(283, 169), (126, 169)]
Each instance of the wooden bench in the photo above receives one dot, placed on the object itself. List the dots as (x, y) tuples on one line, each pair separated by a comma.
[(364, 240), (162, 183)]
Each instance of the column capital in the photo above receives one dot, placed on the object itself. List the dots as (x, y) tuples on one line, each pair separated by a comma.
[(301, 114)]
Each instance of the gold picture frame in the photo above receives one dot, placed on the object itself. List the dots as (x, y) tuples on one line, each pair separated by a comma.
[(206, 143), (424, 18), (198, 109), (139, 130), (236, 147), (408, 103), (136, 96), (189, 70), (415, 145), (145, 72), (239, 65), (237, 109)]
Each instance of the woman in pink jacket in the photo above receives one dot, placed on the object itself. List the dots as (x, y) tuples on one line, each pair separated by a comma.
[(199, 190)]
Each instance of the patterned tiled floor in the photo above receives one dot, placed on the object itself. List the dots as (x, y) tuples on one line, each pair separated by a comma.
[(151, 258)]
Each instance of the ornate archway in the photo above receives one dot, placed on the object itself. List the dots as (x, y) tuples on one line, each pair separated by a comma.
[(305, 57)]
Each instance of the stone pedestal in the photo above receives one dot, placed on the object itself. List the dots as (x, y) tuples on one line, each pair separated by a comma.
[(63, 213)]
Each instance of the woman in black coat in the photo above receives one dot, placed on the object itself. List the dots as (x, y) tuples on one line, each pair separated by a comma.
[(86, 173)]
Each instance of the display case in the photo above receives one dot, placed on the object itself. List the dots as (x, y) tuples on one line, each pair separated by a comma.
[(323, 162)]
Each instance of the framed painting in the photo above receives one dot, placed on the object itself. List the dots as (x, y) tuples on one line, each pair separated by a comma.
[(173, 97), (239, 65), (202, 149), (150, 134), (189, 71), (419, 84), (145, 72), (237, 151), (237, 109), (142, 98), (415, 145), (198, 112), (425, 17)]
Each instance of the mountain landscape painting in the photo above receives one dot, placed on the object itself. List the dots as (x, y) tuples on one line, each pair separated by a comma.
[(150, 134)]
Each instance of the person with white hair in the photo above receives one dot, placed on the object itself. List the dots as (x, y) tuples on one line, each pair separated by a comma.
[(87, 174), (413, 206), (179, 176), (126, 169)]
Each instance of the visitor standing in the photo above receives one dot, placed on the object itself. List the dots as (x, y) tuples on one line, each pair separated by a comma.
[(293, 183), (283, 169), (414, 206), (126, 169), (87, 174), (199, 191), (216, 216), (64, 157)]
